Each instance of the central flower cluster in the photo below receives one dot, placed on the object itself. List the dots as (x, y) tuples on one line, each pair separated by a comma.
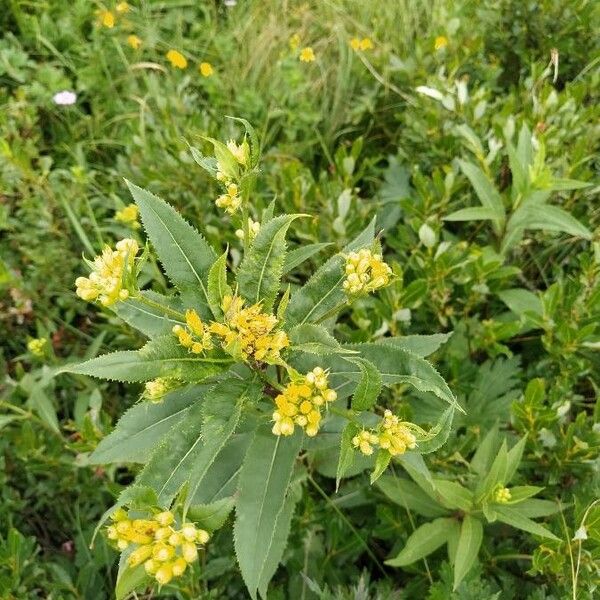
[(164, 550), (105, 282), (196, 336), (391, 435), (230, 201), (365, 272), (300, 404), (249, 332), (502, 495)]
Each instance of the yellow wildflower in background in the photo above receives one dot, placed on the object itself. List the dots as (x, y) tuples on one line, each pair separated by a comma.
[(294, 41), (365, 272), (301, 402), (206, 69), (122, 7), (231, 201), (358, 44), (164, 550), (128, 215), (248, 332), (134, 41), (355, 43), (105, 282), (196, 335), (307, 54), (177, 60), (37, 346), (106, 18), (441, 41)]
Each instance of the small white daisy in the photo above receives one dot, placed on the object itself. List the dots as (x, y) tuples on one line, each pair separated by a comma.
[(65, 98)]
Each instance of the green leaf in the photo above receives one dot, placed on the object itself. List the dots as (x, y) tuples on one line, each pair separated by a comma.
[(485, 190), (453, 495), (423, 541), (486, 451), (369, 386), (6, 419), (217, 285), (520, 301), (346, 452), (496, 474), (514, 517), (476, 213), (263, 487), (533, 508), (297, 256), (143, 426), (314, 339), (469, 542), (152, 321), (513, 459), (547, 218), (440, 432), (43, 406), (183, 252), (421, 345), (260, 272), (212, 516), (409, 495), (519, 493), (382, 460), (128, 579), (161, 357), (563, 185), (323, 292)]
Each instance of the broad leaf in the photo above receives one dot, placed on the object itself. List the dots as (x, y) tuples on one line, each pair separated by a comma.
[(485, 190), (547, 218), (369, 385), (346, 452), (211, 516), (314, 339), (297, 256), (421, 345), (217, 285), (409, 495), (514, 517), (469, 542), (183, 252), (453, 495), (476, 213)]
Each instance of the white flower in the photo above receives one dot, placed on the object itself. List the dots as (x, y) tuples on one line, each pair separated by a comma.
[(65, 98), (580, 534)]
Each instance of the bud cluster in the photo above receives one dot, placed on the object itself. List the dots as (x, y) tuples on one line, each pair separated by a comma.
[(502, 495), (365, 272), (391, 434), (196, 335)]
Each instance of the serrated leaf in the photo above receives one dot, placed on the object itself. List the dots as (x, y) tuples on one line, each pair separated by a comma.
[(297, 256), (142, 427), (211, 516), (152, 321), (421, 345), (160, 357), (323, 292), (346, 452), (260, 272), (382, 460), (441, 433), (264, 482), (185, 255), (469, 542), (128, 578), (369, 385), (217, 285), (514, 517), (314, 339)]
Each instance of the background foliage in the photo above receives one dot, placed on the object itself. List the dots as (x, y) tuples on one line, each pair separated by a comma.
[(348, 136)]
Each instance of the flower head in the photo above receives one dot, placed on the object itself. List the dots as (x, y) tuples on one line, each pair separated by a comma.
[(37, 346), (128, 215), (64, 98), (134, 41), (106, 18), (105, 282), (502, 495), (441, 41), (307, 54), (240, 152), (231, 201), (294, 41), (364, 441), (206, 69), (122, 7), (358, 44), (391, 434), (196, 335), (301, 403), (177, 60), (156, 390), (253, 229), (365, 272)]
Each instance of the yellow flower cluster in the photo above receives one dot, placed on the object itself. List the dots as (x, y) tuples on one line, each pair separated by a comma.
[(156, 389), (179, 61), (165, 551), (253, 229), (307, 54), (128, 215), (241, 152), (301, 402), (106, 18), (249, 332), (206, 69), (37, 346), (105, 282), (365, 272), (231, 201), (358, 44), (391, 435), (134, 41), (441, 42), (502, 495), (196, 336)]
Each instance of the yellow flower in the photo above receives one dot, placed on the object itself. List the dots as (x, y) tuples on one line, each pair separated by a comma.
[(231, 201), (106, 18), (301, 402), (355, 43), (122, 7), (240, 152), (196, 335), (294, 41), (249, 333), (441, 41), (177, 59), (366, 44), (502, 495), (105, 282), (391, 434), (365, 272), (307, 54), (37, 346), (128, 215), (206, 69), (134, 41), (365, 441), (156, 389), (253, 229)]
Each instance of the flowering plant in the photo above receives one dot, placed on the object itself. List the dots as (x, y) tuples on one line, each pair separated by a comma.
[(244, 380)]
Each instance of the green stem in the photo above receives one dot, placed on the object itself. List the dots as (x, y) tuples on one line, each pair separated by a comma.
[(157, 305), (333, 311)]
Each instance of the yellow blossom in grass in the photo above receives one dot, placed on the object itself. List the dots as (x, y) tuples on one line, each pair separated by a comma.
[(301, 403), (128, 215), (502, 495), (248, 332), (196, 335), (105, 282), (365, 272), (177, 60), (122, 7), (441, 41), (37, 346), (355, 43), (294, 41), (307, 54), (231, 201), (134, 41), (106, 18), (366, 44), (206, 69)]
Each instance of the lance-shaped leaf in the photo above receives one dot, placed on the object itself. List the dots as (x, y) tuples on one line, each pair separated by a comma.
[(469, 542), (346, 452), (323, 292), (369, 385), (260, 272), (217, 285), (421, 345), (512, 515), (212, 516), (183, 252), (315, 339), (439, 433), (264, 483), (297, 256), (141, 429), (129, 578), (153, 318), (409, 495), (161, 357)]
